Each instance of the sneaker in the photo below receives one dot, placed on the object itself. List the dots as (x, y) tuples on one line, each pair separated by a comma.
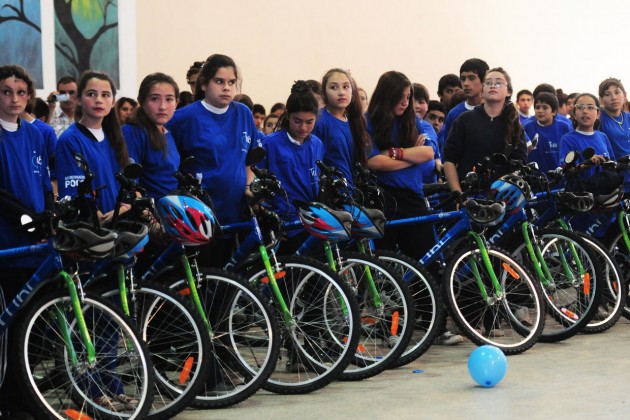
[(109, 403), (449, 339), (522, 314), (130, 403), (496, 332)]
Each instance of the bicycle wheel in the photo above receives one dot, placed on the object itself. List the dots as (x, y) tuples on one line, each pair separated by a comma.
[(386, 314), (487, 313), (58, 377), (243, 340), (427, 301), (319, 330), (178, 342), (616, 246), (576, 284), (614, 295)]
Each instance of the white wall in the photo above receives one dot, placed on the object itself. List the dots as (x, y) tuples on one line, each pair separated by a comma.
[(570, 44)]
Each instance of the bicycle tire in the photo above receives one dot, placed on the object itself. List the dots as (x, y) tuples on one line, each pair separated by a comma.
[(177, 340), (427, 299), (572, 299), (244, 338), (483, 321), (385, 331), (61, 388), (614, 243), (322, 334), (614, 295)]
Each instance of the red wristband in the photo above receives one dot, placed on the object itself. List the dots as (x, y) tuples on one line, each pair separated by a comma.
[(402, 154)]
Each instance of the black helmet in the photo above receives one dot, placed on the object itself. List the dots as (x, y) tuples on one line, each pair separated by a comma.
[(132, 237), (485, 212), (578, 202), (608, 201), (80, 240)]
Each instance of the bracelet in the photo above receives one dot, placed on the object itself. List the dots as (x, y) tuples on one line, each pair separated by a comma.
[(402, 153), (396, 153), (392, 153)]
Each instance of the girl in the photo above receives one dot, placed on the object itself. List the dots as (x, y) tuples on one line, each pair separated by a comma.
[(615, 123), (341, 125), (489, 128), (292, 153), (218, 133), (585, 116), (269, 124), (124, 108), (96, 136), (397, 152), (149, 143)]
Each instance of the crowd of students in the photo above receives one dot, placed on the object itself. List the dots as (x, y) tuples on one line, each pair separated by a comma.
[(405, 138)]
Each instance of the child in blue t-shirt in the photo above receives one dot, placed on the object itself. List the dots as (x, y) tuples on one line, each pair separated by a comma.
[(149, 142), (547, 130), (292, 155)]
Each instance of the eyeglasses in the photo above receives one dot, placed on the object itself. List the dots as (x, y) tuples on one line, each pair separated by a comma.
[(584, 107), (68, 92), (433, 117), (495, 83)]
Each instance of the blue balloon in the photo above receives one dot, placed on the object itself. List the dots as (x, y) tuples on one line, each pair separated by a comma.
[(487, 365)]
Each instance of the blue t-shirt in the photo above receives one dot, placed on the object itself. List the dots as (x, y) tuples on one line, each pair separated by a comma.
[(578, 141), (24, 174), (219, 143), (101, 160), (546, 153), (158, 176), (409, 178), (50, 140), (295, 166), (338, 143), (429, 176), (524, 119), (618, 132)]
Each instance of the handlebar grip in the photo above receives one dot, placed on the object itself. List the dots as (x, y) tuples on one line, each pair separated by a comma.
[(260, 173)]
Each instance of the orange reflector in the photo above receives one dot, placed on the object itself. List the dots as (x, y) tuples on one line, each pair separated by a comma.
[(278, 275), (587, 284), (185, 292), (183, 377), (394, 329), (510, 270), (75, 415), (570, 314), (615, 286), (361, 348), (368, 320)]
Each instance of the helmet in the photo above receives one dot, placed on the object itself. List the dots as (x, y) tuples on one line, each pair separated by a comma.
[(609, 201), (132, 237), (366, 222), (186, 219), (485, 212), (323, 222), (512, 190), (578, 202), (81, 241)]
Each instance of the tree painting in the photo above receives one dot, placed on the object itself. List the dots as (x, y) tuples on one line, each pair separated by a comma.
[(21, 36), (86, 37)]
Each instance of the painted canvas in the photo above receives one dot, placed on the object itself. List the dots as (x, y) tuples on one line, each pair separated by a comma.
[(86, 37), (20, 32)]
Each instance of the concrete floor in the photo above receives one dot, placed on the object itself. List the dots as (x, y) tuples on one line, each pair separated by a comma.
[(586, 377)]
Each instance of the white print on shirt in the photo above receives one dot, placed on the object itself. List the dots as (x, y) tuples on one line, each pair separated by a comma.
[(245, 141), (72, 181), (36, 161)]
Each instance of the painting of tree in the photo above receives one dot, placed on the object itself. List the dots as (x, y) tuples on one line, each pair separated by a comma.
[(22, 37), (86, 37)]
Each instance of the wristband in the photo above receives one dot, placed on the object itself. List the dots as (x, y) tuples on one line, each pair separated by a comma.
[(392, 153), (402, 153)]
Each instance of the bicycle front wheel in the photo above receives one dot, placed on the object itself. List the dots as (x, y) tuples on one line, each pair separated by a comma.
[(59, 378), (617, 247), (318, 322), (488, 311)]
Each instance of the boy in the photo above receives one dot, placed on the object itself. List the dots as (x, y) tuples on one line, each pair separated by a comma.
[(524, 100), (548, 130)]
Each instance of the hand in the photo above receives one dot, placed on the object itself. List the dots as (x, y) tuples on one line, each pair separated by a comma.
[(598, 159), (51, 101), (105, 218), (421, 138)]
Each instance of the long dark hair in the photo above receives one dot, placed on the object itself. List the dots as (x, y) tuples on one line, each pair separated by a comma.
[(301, 99), (387, 94), (209, 70), (111, 125), (513, 128), (354, 113), (157, 139)]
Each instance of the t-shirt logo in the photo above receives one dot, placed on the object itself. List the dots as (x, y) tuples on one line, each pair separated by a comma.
[(245, 141), (36, 161)]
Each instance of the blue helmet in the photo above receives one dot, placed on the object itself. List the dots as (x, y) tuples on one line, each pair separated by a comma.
[(323, 222), (186, 219), (366, 222), (512, 190)]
